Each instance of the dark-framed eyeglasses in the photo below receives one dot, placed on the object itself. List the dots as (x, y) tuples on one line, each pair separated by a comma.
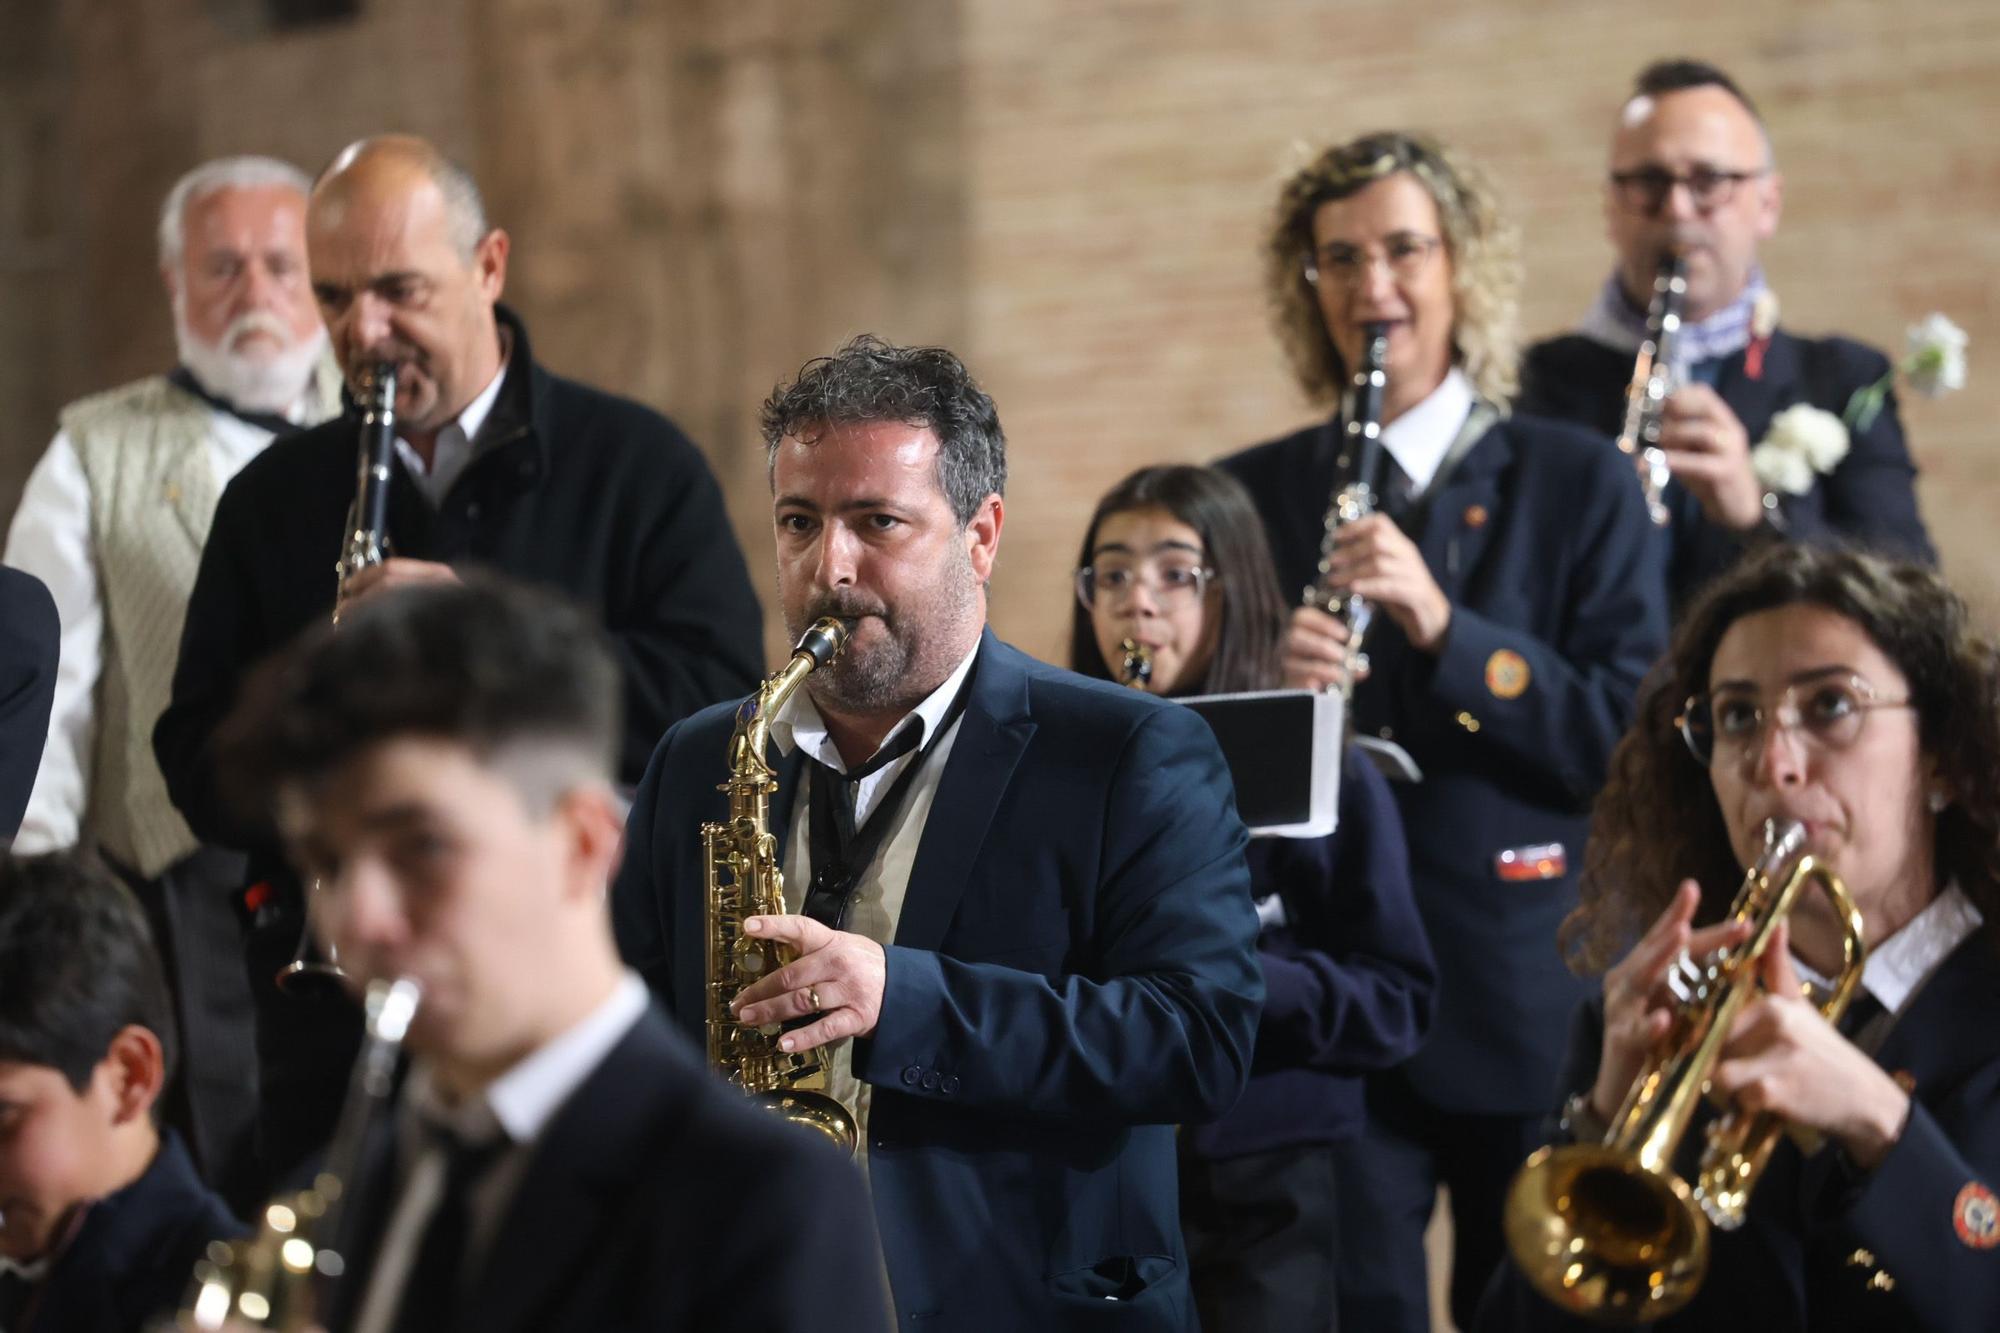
[(1645, 189), (1172, 587), (1727, 726), (1338, 266)]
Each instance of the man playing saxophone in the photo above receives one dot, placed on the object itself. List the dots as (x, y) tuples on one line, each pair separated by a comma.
[(1517, 601), (558, 1158), (1022, 919), (1855, 697)]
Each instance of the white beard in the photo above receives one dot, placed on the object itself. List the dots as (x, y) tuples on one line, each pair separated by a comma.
[(267, 382)]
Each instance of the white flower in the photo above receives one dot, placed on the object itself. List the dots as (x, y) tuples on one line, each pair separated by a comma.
[(1781, 469), (1764, 314), (1936, 363), (1803, 440)]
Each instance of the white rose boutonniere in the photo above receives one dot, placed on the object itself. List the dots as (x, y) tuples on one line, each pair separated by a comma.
[(1934, 365), (1803, 443)]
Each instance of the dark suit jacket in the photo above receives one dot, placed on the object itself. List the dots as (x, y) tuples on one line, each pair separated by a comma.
[(570, 487), (29, 637), (134, 1256), (1869, 499), (1072, 973), (1541, 541), (659, 1199), (1791, 1265), (1349, 979)]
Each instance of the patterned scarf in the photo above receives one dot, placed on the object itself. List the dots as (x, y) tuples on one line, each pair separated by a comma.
[(1614, 321)]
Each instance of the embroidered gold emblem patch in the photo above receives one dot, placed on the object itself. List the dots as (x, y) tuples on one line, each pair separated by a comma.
[(1507, 674)]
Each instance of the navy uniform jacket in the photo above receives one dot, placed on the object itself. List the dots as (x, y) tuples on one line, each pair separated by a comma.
[(134, 1256), (1348, 976), (1073, 972), (1869, 498), (657, 1199), (1542, 543), (1913, 1244), (29, 639)]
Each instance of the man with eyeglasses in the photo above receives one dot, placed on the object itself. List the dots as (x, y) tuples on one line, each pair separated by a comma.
[(1692, 173)]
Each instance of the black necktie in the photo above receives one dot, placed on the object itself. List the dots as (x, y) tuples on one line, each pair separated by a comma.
[(1859, 1023), (15, 1293), (430, 1296), (841, 853)]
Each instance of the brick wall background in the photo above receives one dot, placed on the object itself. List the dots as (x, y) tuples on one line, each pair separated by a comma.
[(705, 192)]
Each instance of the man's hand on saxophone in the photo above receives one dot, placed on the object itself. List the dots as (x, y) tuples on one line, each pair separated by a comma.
[(837, 975)]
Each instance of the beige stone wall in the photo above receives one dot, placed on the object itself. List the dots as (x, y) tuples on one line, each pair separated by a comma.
[(705, 192)]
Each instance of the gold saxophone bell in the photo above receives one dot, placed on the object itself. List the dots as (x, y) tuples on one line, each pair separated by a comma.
[(743, 879), (1609, 1230)]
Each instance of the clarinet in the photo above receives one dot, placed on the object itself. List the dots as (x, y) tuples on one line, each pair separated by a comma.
[(1646, 396), (1355, 500), (368, 533), (1136, 665)]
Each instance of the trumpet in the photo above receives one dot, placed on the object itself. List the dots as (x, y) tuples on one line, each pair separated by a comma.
[(1646, 395), (367, 544), (1135, 667), (1354, 501), (1609, 1230), (282, 1277)]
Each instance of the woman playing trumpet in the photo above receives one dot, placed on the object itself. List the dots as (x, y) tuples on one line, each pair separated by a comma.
[(1174, 562), (1853, 696)]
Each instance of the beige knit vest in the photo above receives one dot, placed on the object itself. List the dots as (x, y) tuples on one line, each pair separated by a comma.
[(153, 491)]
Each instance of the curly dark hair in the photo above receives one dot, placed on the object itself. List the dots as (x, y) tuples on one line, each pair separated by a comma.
[(1214, 504), (870, 380), (1484, 247), (1656, 822)]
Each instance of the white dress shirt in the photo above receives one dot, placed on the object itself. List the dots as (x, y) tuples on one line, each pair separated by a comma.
[(452, 449), (51, 539), (520, 1104), (1420, 438), (877, 902), (1897, 966)]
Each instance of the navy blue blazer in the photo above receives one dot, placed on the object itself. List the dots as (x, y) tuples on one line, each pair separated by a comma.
[(1542, 543), (134, 1256), (657, 1199), (1826, 1246), (1073, 972), (1869, 499), (1348, 976), (29, 638)]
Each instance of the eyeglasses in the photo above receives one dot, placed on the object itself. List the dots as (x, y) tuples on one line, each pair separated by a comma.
[(1645, 189), (1338, 266), (1172, 587), (1727, 727)]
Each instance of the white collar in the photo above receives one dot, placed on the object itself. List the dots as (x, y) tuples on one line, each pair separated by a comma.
[(799, 724), (1420, 438), (1899, 964), (526, 1097)]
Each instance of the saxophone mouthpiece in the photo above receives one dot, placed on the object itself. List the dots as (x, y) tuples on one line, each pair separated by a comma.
[(824, 639)]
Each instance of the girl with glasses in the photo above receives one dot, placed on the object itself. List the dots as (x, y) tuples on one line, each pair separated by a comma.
[(1174, 559)]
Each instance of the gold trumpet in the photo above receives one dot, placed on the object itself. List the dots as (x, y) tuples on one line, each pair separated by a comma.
[(1609, 1230)]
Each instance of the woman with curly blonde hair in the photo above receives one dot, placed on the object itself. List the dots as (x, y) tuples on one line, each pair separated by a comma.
[(1518, 598)]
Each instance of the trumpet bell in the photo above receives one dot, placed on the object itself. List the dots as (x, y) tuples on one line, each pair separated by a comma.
[(1602, 1237)]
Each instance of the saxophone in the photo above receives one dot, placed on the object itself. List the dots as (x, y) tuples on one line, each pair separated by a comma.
[(1136, 665), (743, 880), (1355, 501), (1646, 395), (281, 1278)]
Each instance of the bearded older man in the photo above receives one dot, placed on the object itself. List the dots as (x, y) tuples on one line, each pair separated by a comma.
[(113, 520)]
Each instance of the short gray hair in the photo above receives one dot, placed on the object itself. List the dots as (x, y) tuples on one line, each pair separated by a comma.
[(870, 380), (465, 208), (224, 173)]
